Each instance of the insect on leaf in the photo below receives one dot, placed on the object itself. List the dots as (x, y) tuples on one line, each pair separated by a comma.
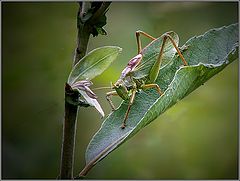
[(206, 55), (94, 63), (150, 54)]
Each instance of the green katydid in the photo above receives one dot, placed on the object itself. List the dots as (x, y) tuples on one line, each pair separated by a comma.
[(142, 70)]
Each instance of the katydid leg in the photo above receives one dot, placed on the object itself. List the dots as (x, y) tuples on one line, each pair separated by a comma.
[(148, 86), (129, 107), (108, 97), (156, 67), (139, 44), (176, 47)]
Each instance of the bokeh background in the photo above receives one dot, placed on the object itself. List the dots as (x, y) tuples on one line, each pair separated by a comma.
[(195, 139)]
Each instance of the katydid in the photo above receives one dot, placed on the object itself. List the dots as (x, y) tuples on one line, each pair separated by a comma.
[(142, 70)]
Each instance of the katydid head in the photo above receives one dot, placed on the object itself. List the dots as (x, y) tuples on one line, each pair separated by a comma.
[(121, 89), (118, 85)]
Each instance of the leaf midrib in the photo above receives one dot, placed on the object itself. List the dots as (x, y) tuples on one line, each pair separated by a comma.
[(93, 66)]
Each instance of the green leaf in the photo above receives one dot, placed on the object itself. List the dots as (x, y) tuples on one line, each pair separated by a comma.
[(94, 63), (207, 55)]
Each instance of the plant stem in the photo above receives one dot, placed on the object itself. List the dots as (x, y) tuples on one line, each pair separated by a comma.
[(83, 33), (85, 27), (70, 119), (69, 131)]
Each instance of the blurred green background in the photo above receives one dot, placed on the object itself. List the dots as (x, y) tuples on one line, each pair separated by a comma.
[(195, 139)]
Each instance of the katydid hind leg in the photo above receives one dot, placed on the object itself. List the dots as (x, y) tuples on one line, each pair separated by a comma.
[(139, 44), (128, 109), (148, 86), (108, 97), (176, 47), (153, 74), (156, 67)]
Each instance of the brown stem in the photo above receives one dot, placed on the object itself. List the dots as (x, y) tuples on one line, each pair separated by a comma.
[(71, 110), (70, 119), (83, 33), (84, 27), (69, 130)]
